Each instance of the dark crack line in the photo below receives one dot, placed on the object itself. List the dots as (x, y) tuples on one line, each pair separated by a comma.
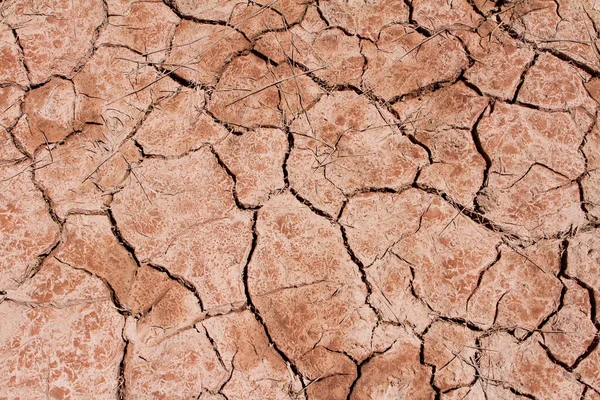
[(522, 78), (411, 281), (460, 321), (592, 300), (256, 312), (173, 7), (554, 359), (564, 57), (361, 270), (145, 155), (95, 36), (342, 208), (497, 308), (320, 13), (427, 89), (286, 23), (286, 157), (488, 161), (312, 208), (228, 126), (465, 48), (21, 53), (564, 254), (383, 189), (472, 86), (360, 365), (264, 57), (476, 9), (412, 138), (522, 394), (47, 200), (15, 141), (172, 4), (231, 175), (31, 272), (180, 280), (173, 75), (122, 241), (471, 214), (426, 364), (482, 273), (477, 363), (411, 286), (214, 346), (322, 83), (584, 393), (121, 381), (590, 349), (579, 179), (120, 307)]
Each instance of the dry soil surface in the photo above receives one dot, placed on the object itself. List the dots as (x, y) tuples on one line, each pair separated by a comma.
[(299, 199)]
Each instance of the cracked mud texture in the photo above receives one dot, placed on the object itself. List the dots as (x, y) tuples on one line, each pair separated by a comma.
[(299, 199)]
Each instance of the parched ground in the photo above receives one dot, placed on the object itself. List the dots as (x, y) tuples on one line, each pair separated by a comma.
[(299, 199)]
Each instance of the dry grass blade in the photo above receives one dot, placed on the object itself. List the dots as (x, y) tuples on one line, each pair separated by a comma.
[(25, 170), (130, 167), (424, 41), (99, 165), (273, 84)]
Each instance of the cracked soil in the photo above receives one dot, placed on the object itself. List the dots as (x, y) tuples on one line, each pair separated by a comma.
[(299, 199)]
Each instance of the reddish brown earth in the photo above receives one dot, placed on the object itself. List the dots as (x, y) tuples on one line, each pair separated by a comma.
[(299, 199)]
